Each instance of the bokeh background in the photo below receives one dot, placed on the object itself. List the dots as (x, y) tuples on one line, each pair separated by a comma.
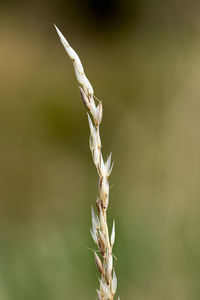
[(143, 60)]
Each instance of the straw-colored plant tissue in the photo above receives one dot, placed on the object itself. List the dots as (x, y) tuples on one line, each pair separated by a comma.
[(99, 230)]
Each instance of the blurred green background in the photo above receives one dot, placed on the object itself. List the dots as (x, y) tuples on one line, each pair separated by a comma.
[(142, 58)]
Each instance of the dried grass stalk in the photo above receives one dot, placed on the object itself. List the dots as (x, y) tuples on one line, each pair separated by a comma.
[(99, 231)]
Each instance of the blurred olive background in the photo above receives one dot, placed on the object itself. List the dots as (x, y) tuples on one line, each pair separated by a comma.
[(143, 60)]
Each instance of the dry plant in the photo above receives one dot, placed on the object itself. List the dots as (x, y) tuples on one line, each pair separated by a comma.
[(99, 231)]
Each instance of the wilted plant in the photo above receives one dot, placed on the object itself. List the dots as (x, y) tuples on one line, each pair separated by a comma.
[(99, 231)]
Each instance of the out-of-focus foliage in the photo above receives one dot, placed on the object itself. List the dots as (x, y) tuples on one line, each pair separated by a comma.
[(142, 58)]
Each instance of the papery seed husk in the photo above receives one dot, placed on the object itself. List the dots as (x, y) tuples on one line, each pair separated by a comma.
[(109, 266), (84, 97), (114, 283), (105, 290), (98, 263), (94, 236), (95, 218)]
